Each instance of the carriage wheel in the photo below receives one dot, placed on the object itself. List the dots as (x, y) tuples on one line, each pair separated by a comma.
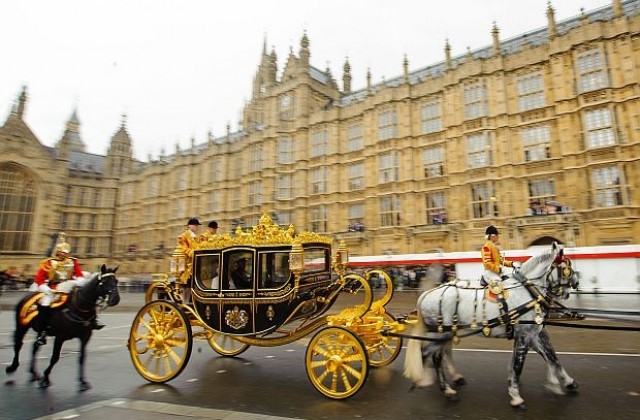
[(225, 345), (160, 341), (387, 349), (337, 363)]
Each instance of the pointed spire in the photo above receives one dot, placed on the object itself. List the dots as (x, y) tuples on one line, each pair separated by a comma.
[(584, 19), (304, 49), (264, 44), (368, 81), (405, 68), (495, 34), (447, 54), (469, 54), (617, 8), (346, 76), (551, 21), (22, 101)]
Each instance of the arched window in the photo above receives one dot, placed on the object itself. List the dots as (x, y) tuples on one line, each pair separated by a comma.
[(17, 201)]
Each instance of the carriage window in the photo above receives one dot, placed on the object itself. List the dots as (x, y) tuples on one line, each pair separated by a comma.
[(316, 259), (274, 270), (207, 272), (239, 271)]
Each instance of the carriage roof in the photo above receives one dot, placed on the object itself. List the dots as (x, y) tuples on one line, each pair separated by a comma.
[(265, 233)]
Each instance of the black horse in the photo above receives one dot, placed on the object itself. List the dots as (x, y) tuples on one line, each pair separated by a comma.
[(72, 320)]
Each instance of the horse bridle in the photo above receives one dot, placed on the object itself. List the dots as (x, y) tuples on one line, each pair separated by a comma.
[(102, 302)]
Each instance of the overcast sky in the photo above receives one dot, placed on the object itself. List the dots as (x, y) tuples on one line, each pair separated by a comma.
[(180, 68)]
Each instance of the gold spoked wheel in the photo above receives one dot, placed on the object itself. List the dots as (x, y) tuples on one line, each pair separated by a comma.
[(160, 341), (337, 363), (225, 345), (387, 349)]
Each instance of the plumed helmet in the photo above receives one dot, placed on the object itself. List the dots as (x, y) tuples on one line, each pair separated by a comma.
[(61, 245), (491, 230)]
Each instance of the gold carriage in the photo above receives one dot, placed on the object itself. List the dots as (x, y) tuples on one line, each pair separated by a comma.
[(267, 286)]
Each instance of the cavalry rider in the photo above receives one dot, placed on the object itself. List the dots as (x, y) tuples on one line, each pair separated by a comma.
[(61, 267), (492, 260)]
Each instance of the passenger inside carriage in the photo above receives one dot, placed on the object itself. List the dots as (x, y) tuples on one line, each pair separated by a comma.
[(240, 274)]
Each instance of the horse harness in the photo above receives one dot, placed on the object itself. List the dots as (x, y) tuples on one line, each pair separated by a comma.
[(85, 322)]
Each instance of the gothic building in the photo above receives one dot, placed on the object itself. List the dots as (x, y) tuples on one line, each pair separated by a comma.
[(537, 134)]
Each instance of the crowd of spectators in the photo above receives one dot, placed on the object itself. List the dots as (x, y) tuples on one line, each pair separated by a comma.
[(537, 207)]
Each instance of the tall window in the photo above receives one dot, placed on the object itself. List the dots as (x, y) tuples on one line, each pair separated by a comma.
[(319, 180), (215, 202), (355, 176), (355, 137), (17, 202), (536, 142), (542, 194), (68, 195), (93, 222), (216, 169), (598, 128), (255, 193), (608, 183), (181, 179), (530, 91), (285, 187), (127, 194), (431, 116), (319, 219), (435, 208), (285, 150), (82, 197), (387, 123), (256, 160), (390, 210), (79, 221), (235, 198), (478, 150), (475, 100), (483, 201), (96, 198), (388, 167), (433, 161), (91, 246), (286, 107), (591, 71), (319, 143), (356, 216)]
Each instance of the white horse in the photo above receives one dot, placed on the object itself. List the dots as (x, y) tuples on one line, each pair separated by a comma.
[(459, 309)]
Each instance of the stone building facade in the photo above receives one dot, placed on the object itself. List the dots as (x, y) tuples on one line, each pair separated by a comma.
[(537, 134)]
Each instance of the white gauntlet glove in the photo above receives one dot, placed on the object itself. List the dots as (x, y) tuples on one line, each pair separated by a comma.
[(516, 264)]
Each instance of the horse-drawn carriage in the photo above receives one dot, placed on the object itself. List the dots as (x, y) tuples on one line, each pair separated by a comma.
[(266, 287)]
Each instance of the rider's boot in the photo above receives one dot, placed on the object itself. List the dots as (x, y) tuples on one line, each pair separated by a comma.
[(44, 315)]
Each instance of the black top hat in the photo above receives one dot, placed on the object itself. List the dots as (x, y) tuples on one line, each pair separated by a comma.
[(491, 230), (213, 225), (193, 221)]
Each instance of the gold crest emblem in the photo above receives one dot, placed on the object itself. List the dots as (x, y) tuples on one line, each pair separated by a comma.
[(236, 318)]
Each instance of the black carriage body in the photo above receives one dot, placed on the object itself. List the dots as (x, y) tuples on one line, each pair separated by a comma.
[(250, 290)]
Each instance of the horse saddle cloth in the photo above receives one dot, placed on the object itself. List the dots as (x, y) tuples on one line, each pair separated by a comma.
[(29, 308)]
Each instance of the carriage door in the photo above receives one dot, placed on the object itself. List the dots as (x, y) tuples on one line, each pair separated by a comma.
[(237, 294)]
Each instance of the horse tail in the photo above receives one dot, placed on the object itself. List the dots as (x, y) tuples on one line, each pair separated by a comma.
[(414, 369)]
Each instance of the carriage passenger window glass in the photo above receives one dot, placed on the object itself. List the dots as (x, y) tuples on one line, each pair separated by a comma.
[(207, 272), (608, 185), (319, 142), (598, 128), (355, 137), (388, 167), (387, 123), (475, 100), (530, 89), (478, 150), (536, 142), (390, 210), (285, 150), (591, 70), (17, 199), (319, 180), (355, 176), (436, 212), (239, 271), (315, 259), (431, 116), (483, 201), (274, 270), (433, 161), (319, 219)]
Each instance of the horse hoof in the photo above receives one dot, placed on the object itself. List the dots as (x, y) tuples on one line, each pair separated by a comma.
[(520, 407), (84, 386), (460, 382), (451, 397), (572, 387), (44, 383), (10, 369)]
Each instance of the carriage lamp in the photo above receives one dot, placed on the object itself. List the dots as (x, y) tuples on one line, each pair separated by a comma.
[(341, 260), (178, 263), (296, 259)]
